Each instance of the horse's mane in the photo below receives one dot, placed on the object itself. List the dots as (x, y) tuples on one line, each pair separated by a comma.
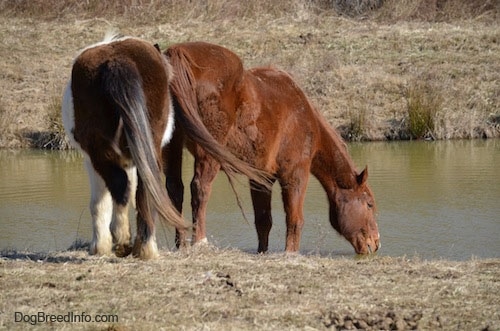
[(317, 114), (325, 125), (340, 146)]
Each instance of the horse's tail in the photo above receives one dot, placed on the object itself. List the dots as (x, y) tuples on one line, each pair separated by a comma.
[(123, 89), (183, 88)]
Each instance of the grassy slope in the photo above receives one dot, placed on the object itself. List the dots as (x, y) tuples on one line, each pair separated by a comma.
[(359, 71)]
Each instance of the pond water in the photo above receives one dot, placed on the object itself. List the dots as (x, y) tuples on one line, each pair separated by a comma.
[(435, 200)]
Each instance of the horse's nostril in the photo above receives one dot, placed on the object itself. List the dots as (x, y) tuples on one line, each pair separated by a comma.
[(370, 249)]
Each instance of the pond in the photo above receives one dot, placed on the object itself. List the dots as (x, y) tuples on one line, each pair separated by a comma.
[(435, 200)]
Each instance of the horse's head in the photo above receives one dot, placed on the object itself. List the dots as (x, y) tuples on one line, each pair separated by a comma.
[(352, 214)]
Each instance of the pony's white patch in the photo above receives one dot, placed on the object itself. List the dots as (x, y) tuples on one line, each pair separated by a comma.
[(68, 115), (149, 249), (120, 226), (169, 130), (202, 242), (101, 209)]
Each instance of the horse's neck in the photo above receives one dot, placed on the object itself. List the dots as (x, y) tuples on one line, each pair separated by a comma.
[(332, 165)]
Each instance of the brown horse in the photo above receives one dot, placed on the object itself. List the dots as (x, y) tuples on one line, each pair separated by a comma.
[(264, 118), (117, 109)]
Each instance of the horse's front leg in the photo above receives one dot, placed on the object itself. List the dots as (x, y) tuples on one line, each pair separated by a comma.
[(293, 193), (101, 210), (261, 200), (120, 226), (205, 171)]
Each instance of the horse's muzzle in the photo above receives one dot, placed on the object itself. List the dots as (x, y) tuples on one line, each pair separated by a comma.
[(377, 247)]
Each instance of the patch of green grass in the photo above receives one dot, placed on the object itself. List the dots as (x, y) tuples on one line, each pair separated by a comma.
[(423, 103)]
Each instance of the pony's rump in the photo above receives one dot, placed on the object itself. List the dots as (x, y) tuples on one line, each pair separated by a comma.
[(117, 108)]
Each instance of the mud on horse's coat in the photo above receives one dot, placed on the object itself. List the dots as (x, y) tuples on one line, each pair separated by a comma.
[(264, 118)]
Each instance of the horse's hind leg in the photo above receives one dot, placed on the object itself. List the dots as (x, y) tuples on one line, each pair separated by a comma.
[(120, 227), (101, 209), (172, 154), (205, 171), (261, 200), (145, 241)]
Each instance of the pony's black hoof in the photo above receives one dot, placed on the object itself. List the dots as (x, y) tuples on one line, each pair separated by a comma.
[(123, 250)]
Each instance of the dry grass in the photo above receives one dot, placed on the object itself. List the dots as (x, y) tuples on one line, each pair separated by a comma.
[(355, 59), (213, 289)]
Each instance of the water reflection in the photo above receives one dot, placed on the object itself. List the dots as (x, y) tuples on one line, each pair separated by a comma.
[(42, 198), (435, 199)]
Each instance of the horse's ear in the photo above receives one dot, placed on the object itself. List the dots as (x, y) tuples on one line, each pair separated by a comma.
[(363, 176)]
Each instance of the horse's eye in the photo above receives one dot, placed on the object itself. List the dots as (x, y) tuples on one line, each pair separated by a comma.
[(370, 205)]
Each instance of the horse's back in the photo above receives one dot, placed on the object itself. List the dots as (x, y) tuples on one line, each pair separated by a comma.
[(131, 56), (210, 61), (141, 53), (216, 76), (278, 85)]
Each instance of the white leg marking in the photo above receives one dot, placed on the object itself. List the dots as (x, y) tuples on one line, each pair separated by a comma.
[(146, 250), (149, 249), (120, 227), (101, 209), (169, 130), (68, 114), (201, 242)]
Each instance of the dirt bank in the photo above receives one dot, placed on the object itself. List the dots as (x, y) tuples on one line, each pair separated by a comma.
[(393, 72), (213, 289)]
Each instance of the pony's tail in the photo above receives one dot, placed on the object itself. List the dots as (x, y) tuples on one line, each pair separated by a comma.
[(184, 89), (123, 87)]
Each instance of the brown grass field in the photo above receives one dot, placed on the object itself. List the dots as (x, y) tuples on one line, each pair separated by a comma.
[(377, 70), (212, 289)]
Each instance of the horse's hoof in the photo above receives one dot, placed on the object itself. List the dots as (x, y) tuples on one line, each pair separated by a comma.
[(101, 249), (123, 250)]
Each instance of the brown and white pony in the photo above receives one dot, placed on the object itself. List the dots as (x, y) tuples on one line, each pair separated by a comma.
[(117, 110), (264, 118)]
